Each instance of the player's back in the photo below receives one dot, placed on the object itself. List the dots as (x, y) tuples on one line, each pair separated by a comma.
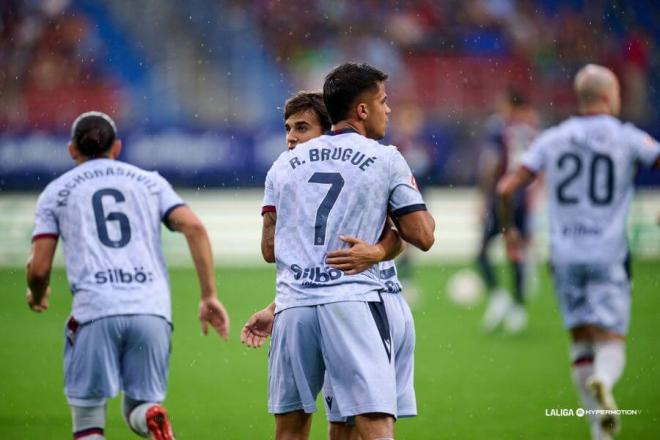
[(589, 163), (107, 214), (330, 186)]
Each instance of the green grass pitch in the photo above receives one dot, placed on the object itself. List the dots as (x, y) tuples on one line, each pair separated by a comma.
[(469, 385)]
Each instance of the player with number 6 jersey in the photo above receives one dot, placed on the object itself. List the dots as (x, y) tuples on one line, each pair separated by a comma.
[(108, 214), (114, 210)]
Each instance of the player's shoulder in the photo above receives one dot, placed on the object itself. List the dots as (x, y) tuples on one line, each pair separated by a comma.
[(130, 169), (59, 183), (284, 157), (134, 168), (555, 133), (55, 185), (631, 130)]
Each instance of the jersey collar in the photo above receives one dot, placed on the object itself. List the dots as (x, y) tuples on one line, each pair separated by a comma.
[(341, 131)]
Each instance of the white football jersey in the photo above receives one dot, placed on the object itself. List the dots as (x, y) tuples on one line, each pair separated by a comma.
[(337, 184), (389, 277), (107, 214), (589, 163)]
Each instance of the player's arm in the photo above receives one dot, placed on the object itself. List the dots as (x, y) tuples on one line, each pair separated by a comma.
[(211, 311), (408, 210), (361, 255), (506, 188), (39, 266), (417, 228), (268, 236)]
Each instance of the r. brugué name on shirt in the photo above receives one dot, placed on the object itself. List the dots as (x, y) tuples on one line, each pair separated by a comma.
[(360, 160)]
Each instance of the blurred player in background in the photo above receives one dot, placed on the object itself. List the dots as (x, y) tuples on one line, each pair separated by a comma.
[(510, 132), (305, 118), (589, 163), (328, 321), (108, 215)]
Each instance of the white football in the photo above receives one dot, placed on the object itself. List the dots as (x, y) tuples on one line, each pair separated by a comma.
[(465, 288)]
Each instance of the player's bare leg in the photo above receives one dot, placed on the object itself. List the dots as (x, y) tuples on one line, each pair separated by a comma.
[(293, 425), (597, 376), (343, 431), (375, 426)]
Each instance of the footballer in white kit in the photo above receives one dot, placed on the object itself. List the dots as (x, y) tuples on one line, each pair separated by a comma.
[(346, 184), (108, 214), (305, 118), (327, 320), (589, 162)]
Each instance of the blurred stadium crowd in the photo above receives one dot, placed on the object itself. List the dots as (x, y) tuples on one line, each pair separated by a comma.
[(226, 67)]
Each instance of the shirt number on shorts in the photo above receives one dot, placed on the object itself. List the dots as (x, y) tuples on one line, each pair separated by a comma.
[(102, 219), (336, 183), (601, 171)]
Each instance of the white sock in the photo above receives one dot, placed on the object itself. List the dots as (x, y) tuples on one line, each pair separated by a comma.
[(609, 360), (88, 422), (582, 369), (137, 419)]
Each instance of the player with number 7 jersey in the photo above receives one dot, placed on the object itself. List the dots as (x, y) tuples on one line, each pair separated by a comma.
[(329, 323), (341, 181)]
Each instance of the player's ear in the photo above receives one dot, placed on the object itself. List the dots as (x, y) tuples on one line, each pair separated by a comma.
[(73, 151), (115, 149), (362, 111)]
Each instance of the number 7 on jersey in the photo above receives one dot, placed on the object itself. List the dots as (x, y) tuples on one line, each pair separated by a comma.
[(336, 182)]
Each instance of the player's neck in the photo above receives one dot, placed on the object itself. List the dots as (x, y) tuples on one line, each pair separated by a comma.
[(595, 110), (82, 159), (352, 125)]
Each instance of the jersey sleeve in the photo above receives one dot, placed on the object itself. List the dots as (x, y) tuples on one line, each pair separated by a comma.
[(45, 218), (168, 201), (646, 150), (268, 204), (404, 194), (535, 157)]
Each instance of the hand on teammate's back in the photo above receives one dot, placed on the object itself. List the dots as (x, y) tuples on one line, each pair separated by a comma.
[(357, 258), (211, 311), (257, 329)]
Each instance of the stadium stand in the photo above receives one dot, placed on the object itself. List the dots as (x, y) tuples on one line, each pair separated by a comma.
[(225, 70)]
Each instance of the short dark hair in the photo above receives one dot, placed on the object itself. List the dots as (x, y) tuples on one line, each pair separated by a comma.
[(93, 133), (303, 101), (345, 83)]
